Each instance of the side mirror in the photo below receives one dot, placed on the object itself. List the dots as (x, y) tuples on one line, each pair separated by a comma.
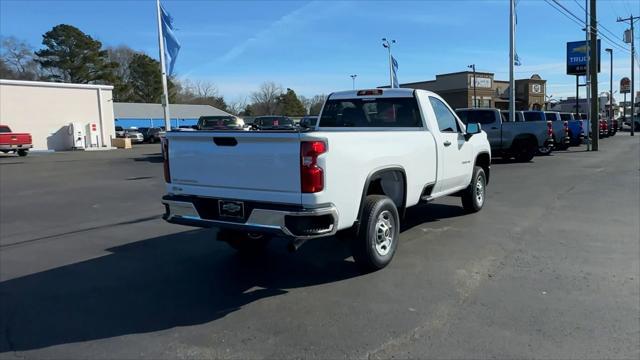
[(472, 128)]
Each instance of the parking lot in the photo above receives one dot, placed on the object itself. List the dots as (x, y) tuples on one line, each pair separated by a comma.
[(548, 269)]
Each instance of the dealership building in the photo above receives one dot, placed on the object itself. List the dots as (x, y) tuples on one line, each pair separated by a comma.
[(458, 90), (59, 116)]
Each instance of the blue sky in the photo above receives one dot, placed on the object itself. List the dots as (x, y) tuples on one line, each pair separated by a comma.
[(314, 46)]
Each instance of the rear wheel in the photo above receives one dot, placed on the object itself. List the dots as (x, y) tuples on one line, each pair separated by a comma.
[(244, 242), (377, 239), (544, 150), (525, 151), (22, 152), (474, 195)]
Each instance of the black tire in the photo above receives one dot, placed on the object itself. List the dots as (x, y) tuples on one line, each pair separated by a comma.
[(473, 197), (152, 140), (524, 150), (378, 234), (22, 152), (544, 150), (243, 242)]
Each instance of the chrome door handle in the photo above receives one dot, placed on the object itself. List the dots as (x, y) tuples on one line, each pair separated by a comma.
[(447, 143)]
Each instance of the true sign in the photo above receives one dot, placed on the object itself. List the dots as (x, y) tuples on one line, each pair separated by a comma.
[(577, 57), (625, 85)]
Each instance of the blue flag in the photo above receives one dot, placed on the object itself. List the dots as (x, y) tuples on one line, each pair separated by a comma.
[(171, 44), (394, 65)]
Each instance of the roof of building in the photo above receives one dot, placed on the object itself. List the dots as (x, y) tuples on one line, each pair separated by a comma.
[(154, 111), (54, 84)]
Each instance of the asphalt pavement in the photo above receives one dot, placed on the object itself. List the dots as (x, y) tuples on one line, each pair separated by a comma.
[(550, 268)]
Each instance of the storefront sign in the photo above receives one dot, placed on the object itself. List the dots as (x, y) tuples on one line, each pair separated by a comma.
[(481, 82), (577, 57), (625, 85)]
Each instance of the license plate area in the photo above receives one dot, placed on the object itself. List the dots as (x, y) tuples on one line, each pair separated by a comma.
[(231, 209)]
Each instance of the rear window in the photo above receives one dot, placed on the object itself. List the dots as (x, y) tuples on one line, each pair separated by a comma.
[(550, 116), (533, 116), (216, 122), (371, 112), (565, 117), (477, 116), (275, 121), (4, 129)]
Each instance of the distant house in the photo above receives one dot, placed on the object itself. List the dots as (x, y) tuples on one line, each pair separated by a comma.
[(140, 114)]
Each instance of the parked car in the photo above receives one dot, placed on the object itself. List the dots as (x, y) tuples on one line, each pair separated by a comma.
[(507, 138), (613, 129), (119, 132), (576, 131), (18, 143), (220, 123), (135, 136), (308, 121), (273, 122), (636, 122), (311, 184), (561, 133), (604, 128), (151, 134)]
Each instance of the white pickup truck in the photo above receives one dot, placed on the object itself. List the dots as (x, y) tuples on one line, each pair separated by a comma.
[(372, 154)]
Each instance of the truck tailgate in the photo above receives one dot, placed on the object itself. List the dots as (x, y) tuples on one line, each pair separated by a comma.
[(258, 166)]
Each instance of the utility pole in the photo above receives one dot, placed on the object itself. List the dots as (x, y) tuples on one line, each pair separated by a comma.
[(631, 19), (353, 79), (475, 99), (610, 51), (512, 87), (593, 75), (387, 44)]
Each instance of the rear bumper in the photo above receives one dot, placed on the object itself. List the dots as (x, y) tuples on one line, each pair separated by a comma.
[(299, 224), (15, 146)]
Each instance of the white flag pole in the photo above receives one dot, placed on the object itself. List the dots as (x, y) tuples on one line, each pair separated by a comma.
[(165, 95)]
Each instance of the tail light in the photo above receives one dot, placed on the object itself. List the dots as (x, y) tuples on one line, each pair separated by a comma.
[(311, 175), (566, 128), (549, 129), (165, 162)]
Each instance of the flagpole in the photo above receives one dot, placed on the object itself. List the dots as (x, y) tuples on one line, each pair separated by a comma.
[(512, 90), (163, 67)]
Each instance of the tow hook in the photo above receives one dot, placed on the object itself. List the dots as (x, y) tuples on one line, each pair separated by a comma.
[(295, 244)]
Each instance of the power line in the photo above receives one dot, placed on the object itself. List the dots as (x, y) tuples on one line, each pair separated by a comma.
[(599, 23), (578, 21)]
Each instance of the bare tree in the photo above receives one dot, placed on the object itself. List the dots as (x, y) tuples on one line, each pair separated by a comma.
[(265, 100), (316, 103), (238, 106), (19, 57)]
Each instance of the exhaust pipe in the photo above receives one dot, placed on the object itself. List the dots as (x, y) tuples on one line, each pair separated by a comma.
[(295, 244)]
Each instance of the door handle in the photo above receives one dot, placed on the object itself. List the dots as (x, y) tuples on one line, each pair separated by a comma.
[(494, 128), (447, 143)]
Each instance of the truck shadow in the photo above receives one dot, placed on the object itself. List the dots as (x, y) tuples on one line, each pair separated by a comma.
[(180, 279), (175, 280)]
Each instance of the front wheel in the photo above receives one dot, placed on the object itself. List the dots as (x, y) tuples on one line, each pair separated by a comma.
[(474, 195), (243, 242), (378, 234)]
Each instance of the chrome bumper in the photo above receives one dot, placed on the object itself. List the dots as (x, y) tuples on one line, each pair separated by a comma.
[(260, 220), (15, 146)]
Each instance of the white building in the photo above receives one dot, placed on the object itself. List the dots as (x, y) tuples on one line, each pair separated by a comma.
[(47, 110)]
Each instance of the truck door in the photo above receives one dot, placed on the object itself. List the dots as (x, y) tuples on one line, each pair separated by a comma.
[(454, 149)]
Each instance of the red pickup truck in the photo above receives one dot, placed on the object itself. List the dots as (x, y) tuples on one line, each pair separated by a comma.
[(19, 143)]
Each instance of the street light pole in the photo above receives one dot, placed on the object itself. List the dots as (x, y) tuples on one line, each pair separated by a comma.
[(475, 98), (512, 90), (353, 79), (387, 44), (610, 51)]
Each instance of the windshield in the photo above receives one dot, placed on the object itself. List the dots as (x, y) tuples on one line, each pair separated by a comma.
[(533, 116), (371, 112)]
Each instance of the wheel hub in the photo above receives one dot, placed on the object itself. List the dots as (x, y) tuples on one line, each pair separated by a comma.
[(480, 190), (384, 233)]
